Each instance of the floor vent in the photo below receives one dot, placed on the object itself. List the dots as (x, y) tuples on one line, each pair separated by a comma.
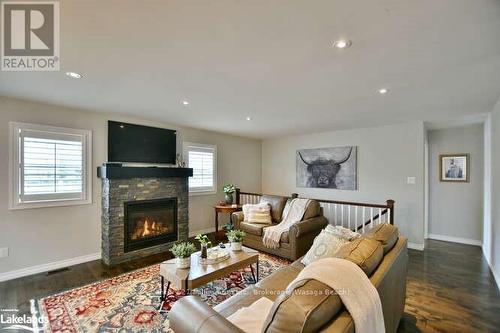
[(56, 271)]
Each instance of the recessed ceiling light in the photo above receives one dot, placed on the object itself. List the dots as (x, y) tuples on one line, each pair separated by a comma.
[(383, 91), (74, 75), (185, 103), (248, 118), (342, 44)]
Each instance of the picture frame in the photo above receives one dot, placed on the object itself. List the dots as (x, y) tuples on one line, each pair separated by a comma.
[(454, 168)]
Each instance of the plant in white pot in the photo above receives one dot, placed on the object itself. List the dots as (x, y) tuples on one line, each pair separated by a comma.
[(182, 252), (236, 238)]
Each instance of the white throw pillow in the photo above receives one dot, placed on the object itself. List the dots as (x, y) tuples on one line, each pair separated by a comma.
[(342, 232), (259, 213), (325, 245)]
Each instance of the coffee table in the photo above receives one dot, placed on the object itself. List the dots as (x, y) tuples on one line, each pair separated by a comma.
[(198, 274)]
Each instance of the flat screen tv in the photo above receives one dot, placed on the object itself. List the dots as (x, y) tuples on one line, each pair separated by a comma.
[(140, 144)]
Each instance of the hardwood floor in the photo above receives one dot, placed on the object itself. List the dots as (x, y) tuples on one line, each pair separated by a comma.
[(450, 288)]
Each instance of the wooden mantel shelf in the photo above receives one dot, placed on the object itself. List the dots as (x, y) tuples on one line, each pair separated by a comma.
[(118, 172)]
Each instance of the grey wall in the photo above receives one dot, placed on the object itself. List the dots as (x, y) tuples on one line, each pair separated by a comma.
[(44, 235), (456, 209), (386, 157)]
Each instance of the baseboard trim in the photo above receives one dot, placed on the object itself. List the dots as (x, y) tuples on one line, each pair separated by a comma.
[(202, 231), (416, 246), (48, 267), (456, 239)]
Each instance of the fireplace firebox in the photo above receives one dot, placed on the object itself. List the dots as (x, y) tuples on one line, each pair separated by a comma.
[(149, 222)]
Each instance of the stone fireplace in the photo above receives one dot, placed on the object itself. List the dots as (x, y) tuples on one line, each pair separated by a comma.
[(144, 210)]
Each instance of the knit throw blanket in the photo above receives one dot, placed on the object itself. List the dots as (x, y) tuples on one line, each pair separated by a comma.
[(272, 235), (354, 289)]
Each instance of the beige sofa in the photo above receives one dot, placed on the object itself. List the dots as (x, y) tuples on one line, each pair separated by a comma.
[(295, 242), (387, 273)]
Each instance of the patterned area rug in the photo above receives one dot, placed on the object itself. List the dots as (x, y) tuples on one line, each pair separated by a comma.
[(130, 302)]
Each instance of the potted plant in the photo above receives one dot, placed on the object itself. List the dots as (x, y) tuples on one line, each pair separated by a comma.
[(204, 243), (228, 189), (236, 238), (182, 252)]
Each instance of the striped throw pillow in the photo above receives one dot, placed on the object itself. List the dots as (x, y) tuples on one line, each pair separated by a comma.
[(259, 213)]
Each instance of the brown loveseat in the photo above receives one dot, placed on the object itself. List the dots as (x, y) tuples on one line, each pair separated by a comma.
[(387, 273), (294, 243)]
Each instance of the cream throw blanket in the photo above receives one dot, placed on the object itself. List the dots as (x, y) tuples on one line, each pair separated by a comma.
[(251, 319), (294, 214), (352, 285)]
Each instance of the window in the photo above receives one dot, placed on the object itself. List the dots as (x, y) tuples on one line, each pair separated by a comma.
[(50, 166), (203, 159)]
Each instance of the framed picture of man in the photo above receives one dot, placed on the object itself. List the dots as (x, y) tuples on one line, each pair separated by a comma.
[(454, 168)]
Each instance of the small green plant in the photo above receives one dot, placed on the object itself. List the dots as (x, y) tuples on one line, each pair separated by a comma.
[(229, 227), (235, 236), (229, 188), (203, 239), (183, 249)]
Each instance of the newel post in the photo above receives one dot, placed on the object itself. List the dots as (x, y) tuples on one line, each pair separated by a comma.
[(238, 196), (390, 205)]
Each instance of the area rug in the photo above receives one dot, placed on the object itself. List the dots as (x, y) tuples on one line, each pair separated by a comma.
[(129, 303)]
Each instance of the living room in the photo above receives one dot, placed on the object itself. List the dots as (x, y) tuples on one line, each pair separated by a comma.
[(380, 119)]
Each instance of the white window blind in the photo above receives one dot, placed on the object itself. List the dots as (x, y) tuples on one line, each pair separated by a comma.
[(52, 165), (203, 159)]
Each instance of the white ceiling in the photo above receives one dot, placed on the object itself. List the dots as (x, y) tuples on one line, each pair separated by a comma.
[(272, 60)]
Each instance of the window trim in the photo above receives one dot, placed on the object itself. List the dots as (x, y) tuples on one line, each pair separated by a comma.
[(15, 172), (185, 151)]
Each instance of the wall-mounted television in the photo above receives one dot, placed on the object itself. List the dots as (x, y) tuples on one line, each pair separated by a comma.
[(140, 144)]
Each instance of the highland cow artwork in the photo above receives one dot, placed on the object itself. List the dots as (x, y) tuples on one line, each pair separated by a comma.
[(332, 168)]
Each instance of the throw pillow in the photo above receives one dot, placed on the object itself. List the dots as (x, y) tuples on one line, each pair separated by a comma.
[(365, 252), (342, 232), (385, 233), (259, 213), (325, 245), (306, 307)]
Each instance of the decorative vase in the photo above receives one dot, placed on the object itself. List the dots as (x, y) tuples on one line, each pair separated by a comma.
[(204, 251), (228, 198), (183, 263), (236, 246)]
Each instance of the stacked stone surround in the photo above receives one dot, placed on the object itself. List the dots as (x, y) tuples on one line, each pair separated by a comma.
[(117, 191)]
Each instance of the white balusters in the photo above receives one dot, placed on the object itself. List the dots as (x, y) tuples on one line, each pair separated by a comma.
[(379, 216), (363, 219)]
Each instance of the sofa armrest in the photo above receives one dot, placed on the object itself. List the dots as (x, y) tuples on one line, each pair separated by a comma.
[(191, 315), (314, 224), (236, 218)]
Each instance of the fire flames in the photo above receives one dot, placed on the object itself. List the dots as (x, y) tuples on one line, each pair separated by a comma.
[(148, 228)]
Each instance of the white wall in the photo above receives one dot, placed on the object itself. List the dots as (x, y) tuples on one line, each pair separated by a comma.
[(44, 235), (494, 255), (487, 190), (386, 157), (456, 209)]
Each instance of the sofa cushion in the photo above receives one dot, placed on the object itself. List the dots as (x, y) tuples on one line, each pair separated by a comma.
[(252, 228), (385, 233), (325, 245), (312, 210), (342, 232), (365, 252), (277, 204), (259, 213), (306, 307)]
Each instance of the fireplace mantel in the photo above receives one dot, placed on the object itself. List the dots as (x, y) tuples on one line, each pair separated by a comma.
[(120, 172)]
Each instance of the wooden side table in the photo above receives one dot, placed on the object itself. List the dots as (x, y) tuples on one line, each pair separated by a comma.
[(228, 209)]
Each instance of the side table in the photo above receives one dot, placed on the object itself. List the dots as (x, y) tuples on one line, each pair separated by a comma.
[(228, 209)]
